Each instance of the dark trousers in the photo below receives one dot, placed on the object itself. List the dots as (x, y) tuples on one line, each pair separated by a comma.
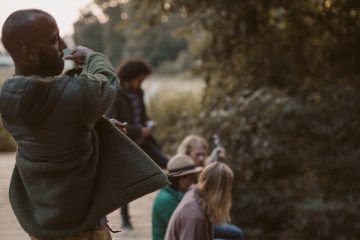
[(124, 210), (228, 231), (153, 149)]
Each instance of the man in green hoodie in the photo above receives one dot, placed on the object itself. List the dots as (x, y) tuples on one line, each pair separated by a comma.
[(73, 166)]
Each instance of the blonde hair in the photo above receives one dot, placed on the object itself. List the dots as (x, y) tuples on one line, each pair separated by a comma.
[(191, 142), (215, 183)]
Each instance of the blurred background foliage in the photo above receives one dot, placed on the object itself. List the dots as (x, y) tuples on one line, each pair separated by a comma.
[(122, 37), (282, 92)]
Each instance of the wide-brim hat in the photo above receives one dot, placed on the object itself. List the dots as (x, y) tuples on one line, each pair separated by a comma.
[(181, 165)]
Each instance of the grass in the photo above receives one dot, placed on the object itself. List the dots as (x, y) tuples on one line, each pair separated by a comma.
[(165, 87), (174, 102)]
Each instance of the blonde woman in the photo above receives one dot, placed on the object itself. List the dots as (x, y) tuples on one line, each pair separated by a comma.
[(204, 205), (197, 148)]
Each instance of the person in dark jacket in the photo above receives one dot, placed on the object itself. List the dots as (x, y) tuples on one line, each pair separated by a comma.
[(129, 107), (72, 165)]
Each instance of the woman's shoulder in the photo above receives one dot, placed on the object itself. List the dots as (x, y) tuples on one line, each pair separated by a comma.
[(190, 206)]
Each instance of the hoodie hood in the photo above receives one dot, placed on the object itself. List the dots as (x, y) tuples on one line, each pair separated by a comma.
[(30, 99)]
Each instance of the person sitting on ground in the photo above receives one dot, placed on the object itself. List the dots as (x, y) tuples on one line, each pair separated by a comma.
[(72, 165), (182, 172), (205, 204), (197, 148), (129, 107)]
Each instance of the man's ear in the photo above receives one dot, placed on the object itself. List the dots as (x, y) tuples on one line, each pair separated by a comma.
[(29, 53)]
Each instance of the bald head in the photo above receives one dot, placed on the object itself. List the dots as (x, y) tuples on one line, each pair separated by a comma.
[(32, 38), (22, 28)]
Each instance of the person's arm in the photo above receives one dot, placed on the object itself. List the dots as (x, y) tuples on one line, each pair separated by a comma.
[(216, 154), (119, 125), (98, 83)]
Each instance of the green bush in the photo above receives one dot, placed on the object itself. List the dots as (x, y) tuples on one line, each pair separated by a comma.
[(286, 186), (174, 114), (296, 161)]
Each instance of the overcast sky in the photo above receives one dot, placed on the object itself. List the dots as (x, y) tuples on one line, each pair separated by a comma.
[(65, 12)]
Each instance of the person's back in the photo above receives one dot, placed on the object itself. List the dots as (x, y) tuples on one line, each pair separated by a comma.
[(56, 128), (58, 134), (59, 187), (164, 205), (49, 119), (188, 220)]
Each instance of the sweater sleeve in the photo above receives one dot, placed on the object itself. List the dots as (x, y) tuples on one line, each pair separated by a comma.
[(98, 84)]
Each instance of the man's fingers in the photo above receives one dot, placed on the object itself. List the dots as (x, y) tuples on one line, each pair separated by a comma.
[(119, 125)]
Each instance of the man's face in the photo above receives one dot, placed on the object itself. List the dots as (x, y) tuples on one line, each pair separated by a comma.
[(199, 155), (49, 49), (135, 84), (186, 181)]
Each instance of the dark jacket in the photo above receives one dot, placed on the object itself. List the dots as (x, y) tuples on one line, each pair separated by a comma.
[(123, 111), (72, 166)]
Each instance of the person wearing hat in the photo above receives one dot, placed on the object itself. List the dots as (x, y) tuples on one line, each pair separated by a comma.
[(197, 148), (204, 204), (182, 172)]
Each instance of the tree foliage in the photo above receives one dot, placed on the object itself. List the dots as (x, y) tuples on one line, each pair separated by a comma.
[(282, 92), (87, 31), (122, 36)]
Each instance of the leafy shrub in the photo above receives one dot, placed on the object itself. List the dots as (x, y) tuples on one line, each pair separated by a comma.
[(289, 152), (174, 112)]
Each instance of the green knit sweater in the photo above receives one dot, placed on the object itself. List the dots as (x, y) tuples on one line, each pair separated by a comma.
[(72, 166), (165, 204)]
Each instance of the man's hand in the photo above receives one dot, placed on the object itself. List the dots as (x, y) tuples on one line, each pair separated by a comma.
[(79, 55), (119, 125)]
